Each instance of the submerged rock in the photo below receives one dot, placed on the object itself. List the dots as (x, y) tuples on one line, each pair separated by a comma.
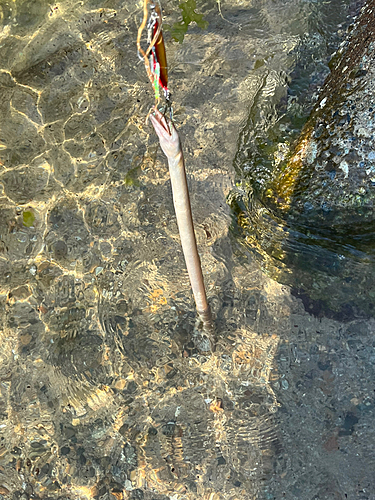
[(329, 178), (312, 222)]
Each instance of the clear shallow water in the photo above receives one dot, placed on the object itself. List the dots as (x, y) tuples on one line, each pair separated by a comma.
[(104, 393)]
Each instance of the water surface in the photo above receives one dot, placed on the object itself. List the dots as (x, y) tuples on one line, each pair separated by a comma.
[(104, 391)]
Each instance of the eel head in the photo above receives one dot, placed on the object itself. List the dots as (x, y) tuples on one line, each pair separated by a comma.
[(168, 137)]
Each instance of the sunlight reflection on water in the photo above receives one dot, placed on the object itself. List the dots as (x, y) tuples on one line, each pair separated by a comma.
[(104, 393)]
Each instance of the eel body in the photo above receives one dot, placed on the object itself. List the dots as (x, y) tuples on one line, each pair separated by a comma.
[(171, 146)]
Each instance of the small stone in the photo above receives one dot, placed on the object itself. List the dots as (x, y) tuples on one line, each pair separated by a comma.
[(60, 249), (128, 485), (33, 270), (120, 384), (25, 339), (137, 494), (133, 475), (284, 384), (98, 270)]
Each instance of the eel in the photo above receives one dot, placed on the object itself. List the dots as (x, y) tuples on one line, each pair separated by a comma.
[(171, 146)]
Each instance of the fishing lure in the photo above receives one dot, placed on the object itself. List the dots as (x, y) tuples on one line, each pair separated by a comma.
[(158, 56), (155, 58)]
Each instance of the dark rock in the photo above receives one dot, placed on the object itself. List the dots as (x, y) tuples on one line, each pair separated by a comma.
[(319, 222)]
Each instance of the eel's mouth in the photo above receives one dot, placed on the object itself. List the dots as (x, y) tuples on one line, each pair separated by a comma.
[(160, 124)]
